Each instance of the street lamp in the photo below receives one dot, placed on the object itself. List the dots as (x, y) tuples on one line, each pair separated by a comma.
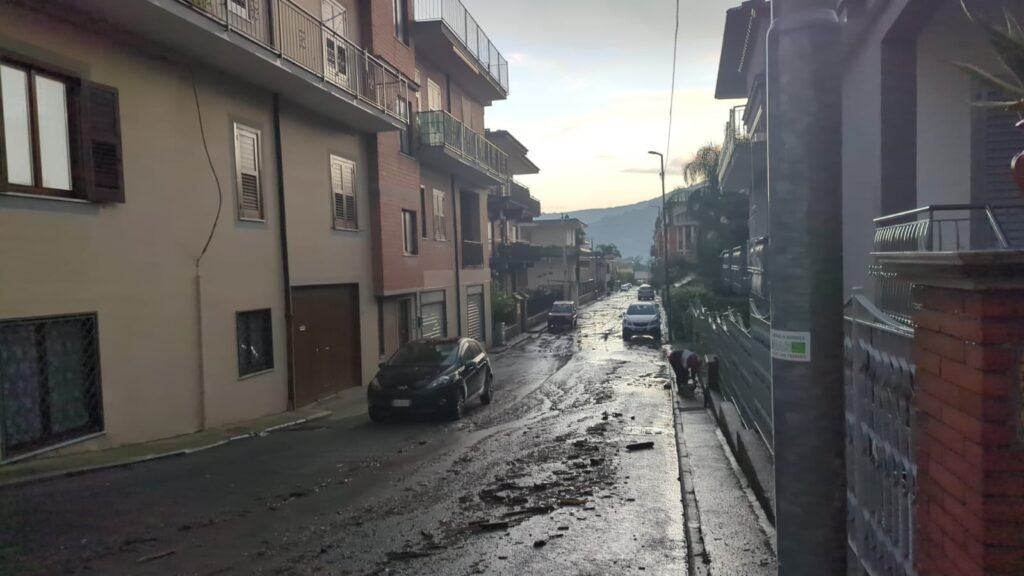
[(666, 298)]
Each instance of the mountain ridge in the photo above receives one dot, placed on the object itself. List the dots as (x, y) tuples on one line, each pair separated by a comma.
[(630, 226)]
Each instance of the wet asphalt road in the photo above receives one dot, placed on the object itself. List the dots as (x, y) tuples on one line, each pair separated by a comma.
[(344, 496)]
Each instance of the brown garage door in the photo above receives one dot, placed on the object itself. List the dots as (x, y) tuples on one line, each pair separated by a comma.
[(325, 340)]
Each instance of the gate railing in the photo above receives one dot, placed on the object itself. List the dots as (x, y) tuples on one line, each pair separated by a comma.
[(457, 19), (880, 468)]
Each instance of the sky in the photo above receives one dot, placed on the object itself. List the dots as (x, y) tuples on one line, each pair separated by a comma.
[(589, 85)]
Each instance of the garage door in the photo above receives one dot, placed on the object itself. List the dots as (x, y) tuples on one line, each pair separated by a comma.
[(432, 315), (475, 313), (325, 337)]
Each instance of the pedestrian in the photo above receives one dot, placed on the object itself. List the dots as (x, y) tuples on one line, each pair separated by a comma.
[(686, 364)]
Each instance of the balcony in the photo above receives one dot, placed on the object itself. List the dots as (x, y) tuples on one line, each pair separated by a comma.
[(734, 168), (515, 202), (946, 228), (276, 45), (449, 145), (446, 31)]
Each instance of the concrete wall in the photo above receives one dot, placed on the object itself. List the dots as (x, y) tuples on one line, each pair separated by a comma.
[(319, 254), (134, 264), (549, 233)]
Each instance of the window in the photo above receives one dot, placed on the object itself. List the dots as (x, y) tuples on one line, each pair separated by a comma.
[(401, 26), (61, 136), (440, 220), (405, 135), (433, 95), (410, 239), (248, 175), (239, 8), (423, 211), (255, 342), (343, 193), (49, 381), (335, 21), (686, 238)]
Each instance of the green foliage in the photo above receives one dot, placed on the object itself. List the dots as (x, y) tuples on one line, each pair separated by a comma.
[(503, 305), (541, 299), (628, 277), (686, 298), (1007, 40), (608, 250)]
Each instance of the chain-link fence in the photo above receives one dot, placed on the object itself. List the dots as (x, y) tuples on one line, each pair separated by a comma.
[(49, 383)]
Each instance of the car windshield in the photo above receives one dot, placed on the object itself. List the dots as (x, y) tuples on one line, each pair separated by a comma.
[(641, 310), (425, 354), (561, 308)]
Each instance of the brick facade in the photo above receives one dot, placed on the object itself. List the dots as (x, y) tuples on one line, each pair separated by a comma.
[(970, 495)]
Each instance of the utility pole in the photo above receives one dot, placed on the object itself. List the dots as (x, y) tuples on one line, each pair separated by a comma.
[(666, 299), (565, 257), (805, 256)]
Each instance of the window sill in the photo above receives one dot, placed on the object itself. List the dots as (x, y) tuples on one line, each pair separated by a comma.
[(255, 374), (46, 197), (408, 255), (338, 229), (255, 220)]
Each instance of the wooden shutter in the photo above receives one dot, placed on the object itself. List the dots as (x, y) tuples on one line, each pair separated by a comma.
[(440, 224), (343, 191), (996, 141), (247, 173), (101, 174)]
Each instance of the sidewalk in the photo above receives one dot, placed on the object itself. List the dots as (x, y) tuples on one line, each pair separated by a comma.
[(346, 404)]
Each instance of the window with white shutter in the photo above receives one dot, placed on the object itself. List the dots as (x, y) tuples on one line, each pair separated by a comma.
[(248, 173), (440, 218), (343, 193)]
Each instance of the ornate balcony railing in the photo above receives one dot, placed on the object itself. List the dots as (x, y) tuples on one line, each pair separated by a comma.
[(937, 228), (455, 16), (288, 30), (441, 129)]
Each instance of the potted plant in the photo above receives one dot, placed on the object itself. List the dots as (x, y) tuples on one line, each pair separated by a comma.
[(1007, 40)]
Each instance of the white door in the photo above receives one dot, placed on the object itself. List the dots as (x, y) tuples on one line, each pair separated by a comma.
[(433, 95), (475, 313), (336, 61)]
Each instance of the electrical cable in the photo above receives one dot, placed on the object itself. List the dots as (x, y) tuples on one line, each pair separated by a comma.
[(672, 92), (209, 159)]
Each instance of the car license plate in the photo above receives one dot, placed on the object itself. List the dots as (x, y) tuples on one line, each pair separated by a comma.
[(401, 403)]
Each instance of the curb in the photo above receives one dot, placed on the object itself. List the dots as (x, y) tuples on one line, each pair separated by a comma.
[(698, 563), (153, 457)]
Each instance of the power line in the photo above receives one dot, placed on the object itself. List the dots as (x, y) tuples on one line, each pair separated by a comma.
[(672, 92)]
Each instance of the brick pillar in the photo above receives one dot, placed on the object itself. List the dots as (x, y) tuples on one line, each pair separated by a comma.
[(969, 503)]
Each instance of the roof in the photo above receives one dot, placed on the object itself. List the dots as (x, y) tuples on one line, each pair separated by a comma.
[(574, 222), (518, 163), (740, 25), (683, 194)]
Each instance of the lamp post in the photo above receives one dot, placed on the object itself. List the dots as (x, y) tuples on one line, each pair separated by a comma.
[(566, 292), (666, 298)]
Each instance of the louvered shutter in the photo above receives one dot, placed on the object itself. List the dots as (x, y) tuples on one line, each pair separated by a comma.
[(343, 189), (248, 177), (101, 171), (997, 141)]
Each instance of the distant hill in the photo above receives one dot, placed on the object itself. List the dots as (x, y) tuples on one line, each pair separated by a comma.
[(629, 227)]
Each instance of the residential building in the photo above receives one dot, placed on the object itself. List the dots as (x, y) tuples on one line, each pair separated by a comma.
[(507, 208), (683, 227), (431, 183), (561, 248), (185, 213)]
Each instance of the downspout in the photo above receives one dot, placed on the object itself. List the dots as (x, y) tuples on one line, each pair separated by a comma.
[(458, 263), (283, 230)]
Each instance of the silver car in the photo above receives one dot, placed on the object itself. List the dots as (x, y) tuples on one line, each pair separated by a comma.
[(641, 318)]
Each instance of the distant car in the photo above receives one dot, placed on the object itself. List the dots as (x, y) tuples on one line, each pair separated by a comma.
[(641, 318), (645, 293), (438, 375), (625, 287), (563, 314)]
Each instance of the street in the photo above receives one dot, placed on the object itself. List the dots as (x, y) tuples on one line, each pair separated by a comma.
[(539, 482)]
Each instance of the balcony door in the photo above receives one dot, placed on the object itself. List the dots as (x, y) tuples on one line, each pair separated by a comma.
[(335, 30)]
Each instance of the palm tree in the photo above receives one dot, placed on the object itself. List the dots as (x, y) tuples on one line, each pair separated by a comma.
[(1007, 41), (704, 166)]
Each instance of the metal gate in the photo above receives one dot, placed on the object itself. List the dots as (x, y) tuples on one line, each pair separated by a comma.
[(475, 313), (432, 315)]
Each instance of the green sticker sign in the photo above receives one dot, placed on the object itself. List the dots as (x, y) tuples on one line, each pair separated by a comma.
[(792, 346)]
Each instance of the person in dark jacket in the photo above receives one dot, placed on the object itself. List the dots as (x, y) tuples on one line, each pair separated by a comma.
[(686, 364)]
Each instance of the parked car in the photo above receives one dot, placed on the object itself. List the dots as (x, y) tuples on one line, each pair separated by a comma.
[(645, 293), (438, 375), (563, 314), (641, 318), (625, 287)]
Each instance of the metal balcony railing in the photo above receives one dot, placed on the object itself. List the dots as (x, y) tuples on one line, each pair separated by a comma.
[(440, 129), (938, 228), (735, 132), (455, 16), (288, 30), (520, 194)]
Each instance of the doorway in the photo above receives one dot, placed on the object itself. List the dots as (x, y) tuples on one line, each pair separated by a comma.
[(326, 341)]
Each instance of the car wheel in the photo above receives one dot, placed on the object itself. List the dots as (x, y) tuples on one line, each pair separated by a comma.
[(458, 406), (657, 335), (488, 394), (626, 335), (376, 416)]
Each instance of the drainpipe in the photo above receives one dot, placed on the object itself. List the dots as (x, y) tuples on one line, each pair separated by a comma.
[(283, 230), (458, 263), (805, 223)]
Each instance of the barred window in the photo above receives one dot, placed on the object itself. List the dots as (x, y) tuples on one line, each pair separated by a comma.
[(49, 382), (255, 342)]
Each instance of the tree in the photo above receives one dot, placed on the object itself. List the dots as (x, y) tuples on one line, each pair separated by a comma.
[(721, 216), (608, 250)]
